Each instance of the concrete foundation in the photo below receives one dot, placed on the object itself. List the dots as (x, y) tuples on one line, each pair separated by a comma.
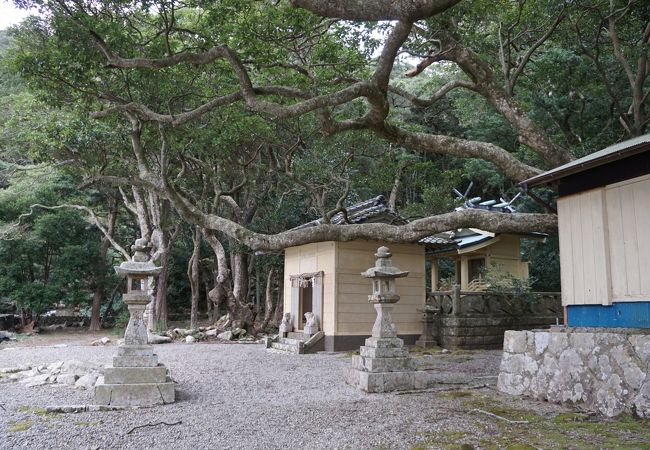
[(143, 394), (135, 379), (600, 370), (384, 365)]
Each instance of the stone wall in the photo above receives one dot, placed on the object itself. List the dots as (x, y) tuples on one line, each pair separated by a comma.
[(472, 320), (68, 321), (485, 332), (604, 372)]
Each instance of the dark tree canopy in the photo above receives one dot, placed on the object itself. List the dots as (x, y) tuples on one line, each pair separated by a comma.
[(224, 101)]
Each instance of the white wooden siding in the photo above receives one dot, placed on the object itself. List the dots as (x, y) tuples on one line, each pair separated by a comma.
[(628, 212), (583, 252), (605, 244)]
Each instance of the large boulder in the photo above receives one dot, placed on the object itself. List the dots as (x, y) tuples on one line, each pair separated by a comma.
[(87, 381), (157, 339), (223, 322), (226, 335)]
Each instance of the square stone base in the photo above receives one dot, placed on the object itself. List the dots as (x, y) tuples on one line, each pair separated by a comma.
[(374, 382), (142, 394), (135, 375), (390, 364), (135, 361)]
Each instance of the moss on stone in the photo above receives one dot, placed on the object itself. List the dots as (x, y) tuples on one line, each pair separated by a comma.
[(455, 394), (33, 410), (15, 427)]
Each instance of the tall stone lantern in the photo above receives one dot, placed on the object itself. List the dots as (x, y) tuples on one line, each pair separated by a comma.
[(137, 272), (384, 364), (383, 295), (136, 378)]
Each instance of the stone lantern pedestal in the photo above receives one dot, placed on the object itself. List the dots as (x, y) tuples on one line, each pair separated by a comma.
[(426, 339), (136, 378), (384, 364)]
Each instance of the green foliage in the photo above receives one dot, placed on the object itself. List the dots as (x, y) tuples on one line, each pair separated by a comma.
[(544, 263), (501, 282), (578, 104)]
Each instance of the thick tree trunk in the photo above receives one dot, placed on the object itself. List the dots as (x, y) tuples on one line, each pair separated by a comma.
[(193, 275), (110, 300), (100, 288), (234, 286), (268, 300), (209, 307), (239, 270), (279, 305), (164, 252)]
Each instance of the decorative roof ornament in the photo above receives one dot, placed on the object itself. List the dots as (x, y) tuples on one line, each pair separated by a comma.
[(502, 205)]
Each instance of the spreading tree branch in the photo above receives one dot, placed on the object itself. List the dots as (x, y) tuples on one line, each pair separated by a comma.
[(93, 217)]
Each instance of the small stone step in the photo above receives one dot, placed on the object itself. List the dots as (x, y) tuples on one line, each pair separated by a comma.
[(285, 347), (290, 341), (298, 336)]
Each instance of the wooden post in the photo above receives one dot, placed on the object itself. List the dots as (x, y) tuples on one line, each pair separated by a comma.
[(434, 273), (464, 273)]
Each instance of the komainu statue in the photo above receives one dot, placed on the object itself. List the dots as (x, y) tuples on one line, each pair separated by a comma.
[(311, 327), (285, 326)]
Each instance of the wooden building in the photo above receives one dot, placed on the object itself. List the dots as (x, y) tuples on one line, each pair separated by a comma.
[(474, 252), (604, 219), (325, 278)]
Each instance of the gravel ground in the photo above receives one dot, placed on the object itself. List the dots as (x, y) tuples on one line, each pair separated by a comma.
[(236, 396)]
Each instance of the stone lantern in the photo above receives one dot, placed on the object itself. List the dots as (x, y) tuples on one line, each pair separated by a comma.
[(383, 295), (136, 378), (383, 363), (137, 271)]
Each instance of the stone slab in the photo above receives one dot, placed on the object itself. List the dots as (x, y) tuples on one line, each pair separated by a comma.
[(384, 381), (135, 361), (135, 375), (384, 342), (286, 347), (135, 350), (383, 352), (383, 364), (144, 394)]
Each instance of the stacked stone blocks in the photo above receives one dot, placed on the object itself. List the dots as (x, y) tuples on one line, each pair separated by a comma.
[(604, 372), (384, 365), (136, 378)]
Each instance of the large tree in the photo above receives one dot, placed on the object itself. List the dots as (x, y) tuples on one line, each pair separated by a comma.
[(172, 66)]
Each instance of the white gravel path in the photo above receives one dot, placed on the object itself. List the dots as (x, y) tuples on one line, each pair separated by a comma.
[(235, 396)]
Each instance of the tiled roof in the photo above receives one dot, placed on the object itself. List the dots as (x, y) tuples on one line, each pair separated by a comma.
[(368, 211), (436, 240), (375, 210)]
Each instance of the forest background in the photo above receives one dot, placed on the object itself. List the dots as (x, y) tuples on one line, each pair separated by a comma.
[(211, 128)]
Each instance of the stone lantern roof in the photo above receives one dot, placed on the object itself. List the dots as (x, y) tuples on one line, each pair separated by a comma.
[(139, 266), (384, 267)]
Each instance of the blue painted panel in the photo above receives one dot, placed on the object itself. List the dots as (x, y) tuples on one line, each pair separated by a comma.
[(618, 315)]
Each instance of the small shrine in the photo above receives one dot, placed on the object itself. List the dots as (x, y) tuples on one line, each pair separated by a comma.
[(384, 363), (136, 378)]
